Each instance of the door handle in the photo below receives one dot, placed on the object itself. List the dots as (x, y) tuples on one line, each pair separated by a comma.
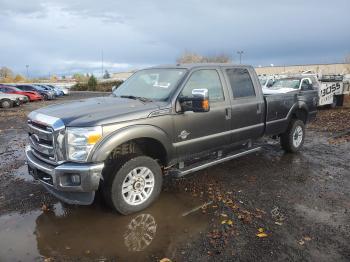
[(228, 113), (258, 108)]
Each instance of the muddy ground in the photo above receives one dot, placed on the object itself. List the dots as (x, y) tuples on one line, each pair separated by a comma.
[(270, 206)]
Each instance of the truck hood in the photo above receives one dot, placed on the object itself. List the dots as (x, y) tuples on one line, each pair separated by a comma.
[(100, 111)]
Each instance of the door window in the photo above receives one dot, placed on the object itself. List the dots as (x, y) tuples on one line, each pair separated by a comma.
[(208, 79), (241, 83)]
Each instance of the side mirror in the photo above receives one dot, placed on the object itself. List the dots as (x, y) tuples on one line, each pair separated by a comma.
[(198, 102), (114, 88)]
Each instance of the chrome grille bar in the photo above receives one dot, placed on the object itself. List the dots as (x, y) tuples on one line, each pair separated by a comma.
[(46, 134)]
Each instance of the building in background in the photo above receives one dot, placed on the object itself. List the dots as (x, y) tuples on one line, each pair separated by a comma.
[(121, 75), (324, 69)]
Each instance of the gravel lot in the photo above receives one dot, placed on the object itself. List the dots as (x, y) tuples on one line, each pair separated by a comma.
[(269, 206)]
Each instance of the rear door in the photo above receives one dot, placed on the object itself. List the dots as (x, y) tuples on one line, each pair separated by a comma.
[(247, 106)]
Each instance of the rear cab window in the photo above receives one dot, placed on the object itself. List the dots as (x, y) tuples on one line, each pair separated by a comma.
[(241, 83)]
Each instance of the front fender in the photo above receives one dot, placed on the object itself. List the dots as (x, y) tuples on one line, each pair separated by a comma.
[(120, 136)]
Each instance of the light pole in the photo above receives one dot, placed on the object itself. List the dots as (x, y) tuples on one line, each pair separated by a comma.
[(240, 56), (102, 63), (27, 66)]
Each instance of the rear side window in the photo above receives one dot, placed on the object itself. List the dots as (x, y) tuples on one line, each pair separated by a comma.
[(241, 83)]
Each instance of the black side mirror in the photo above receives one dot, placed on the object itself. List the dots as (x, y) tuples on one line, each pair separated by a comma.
[(198, 102)]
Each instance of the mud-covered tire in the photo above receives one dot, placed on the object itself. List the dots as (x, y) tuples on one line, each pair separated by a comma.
[(6, 103), (118, 175), (293, 139)]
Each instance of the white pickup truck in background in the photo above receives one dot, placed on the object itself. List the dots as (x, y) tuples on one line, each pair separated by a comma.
[(331, 88)]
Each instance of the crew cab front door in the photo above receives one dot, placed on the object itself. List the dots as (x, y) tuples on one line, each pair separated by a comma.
[(202, 131)]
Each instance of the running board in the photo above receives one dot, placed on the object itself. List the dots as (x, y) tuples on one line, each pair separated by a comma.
[(183, 172)]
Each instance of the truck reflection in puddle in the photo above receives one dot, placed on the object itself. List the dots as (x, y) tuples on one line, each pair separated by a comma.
[(97, 233)]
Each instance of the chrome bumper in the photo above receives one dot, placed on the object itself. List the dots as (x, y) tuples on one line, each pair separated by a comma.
[(54, 178)]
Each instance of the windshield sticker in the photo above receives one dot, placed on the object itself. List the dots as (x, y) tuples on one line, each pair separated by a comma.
[(162, 85)]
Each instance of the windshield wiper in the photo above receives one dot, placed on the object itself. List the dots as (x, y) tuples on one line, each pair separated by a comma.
[(142, 99)]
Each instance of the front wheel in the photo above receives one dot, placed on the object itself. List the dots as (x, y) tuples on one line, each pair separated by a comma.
[(133, 184), (6, 103), (293, 139)]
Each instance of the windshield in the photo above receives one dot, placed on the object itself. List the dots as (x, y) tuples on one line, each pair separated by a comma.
[(286, 83), (43, 87), (152, 84), (15, 89), (39, 88)]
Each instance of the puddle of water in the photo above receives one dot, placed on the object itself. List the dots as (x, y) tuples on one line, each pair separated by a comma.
[(97, 233)]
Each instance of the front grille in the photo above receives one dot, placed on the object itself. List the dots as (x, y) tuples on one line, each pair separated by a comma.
[(41, 140)]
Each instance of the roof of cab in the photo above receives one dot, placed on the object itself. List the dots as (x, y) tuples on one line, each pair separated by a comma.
[(201, 65)]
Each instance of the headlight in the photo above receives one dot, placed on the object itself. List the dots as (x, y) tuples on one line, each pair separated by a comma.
[(80, 141)]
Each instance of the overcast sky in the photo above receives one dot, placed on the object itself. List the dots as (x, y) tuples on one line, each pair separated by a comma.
[(67, 36)]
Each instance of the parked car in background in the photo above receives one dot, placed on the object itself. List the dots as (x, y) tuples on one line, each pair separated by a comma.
[(65, 90), (49, 89), (58, 90), (31, 95), (46, 94), (9, 100)]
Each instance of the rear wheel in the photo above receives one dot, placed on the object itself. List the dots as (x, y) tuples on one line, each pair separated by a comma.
[(293, 139), (132, 184), (6, 103)]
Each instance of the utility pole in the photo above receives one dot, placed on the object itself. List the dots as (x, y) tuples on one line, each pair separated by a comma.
[(240, 56), (27, 66), (102, 63)]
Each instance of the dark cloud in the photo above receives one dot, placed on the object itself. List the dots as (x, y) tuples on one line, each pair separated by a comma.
[(65, 36)]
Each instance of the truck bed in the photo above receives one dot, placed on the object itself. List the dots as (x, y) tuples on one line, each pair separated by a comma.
[(277, 111)]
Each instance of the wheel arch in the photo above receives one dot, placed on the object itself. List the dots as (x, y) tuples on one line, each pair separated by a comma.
[(151, 140), (299, 111)]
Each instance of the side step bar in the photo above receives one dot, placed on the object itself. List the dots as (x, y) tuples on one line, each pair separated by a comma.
[(183, 172)]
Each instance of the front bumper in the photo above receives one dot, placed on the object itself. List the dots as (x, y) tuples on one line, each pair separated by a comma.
[(56, 179)]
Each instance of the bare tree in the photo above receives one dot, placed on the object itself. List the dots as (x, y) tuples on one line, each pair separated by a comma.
[(191, 57), (6, 72)]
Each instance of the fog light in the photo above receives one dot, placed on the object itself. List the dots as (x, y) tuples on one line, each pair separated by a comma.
[(75, 179)]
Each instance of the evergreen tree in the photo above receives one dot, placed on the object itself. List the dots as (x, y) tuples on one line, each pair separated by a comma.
[(92, 83), (106, 75)]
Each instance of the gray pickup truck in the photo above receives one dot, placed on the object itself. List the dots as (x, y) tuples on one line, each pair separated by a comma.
[(168, 120)]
